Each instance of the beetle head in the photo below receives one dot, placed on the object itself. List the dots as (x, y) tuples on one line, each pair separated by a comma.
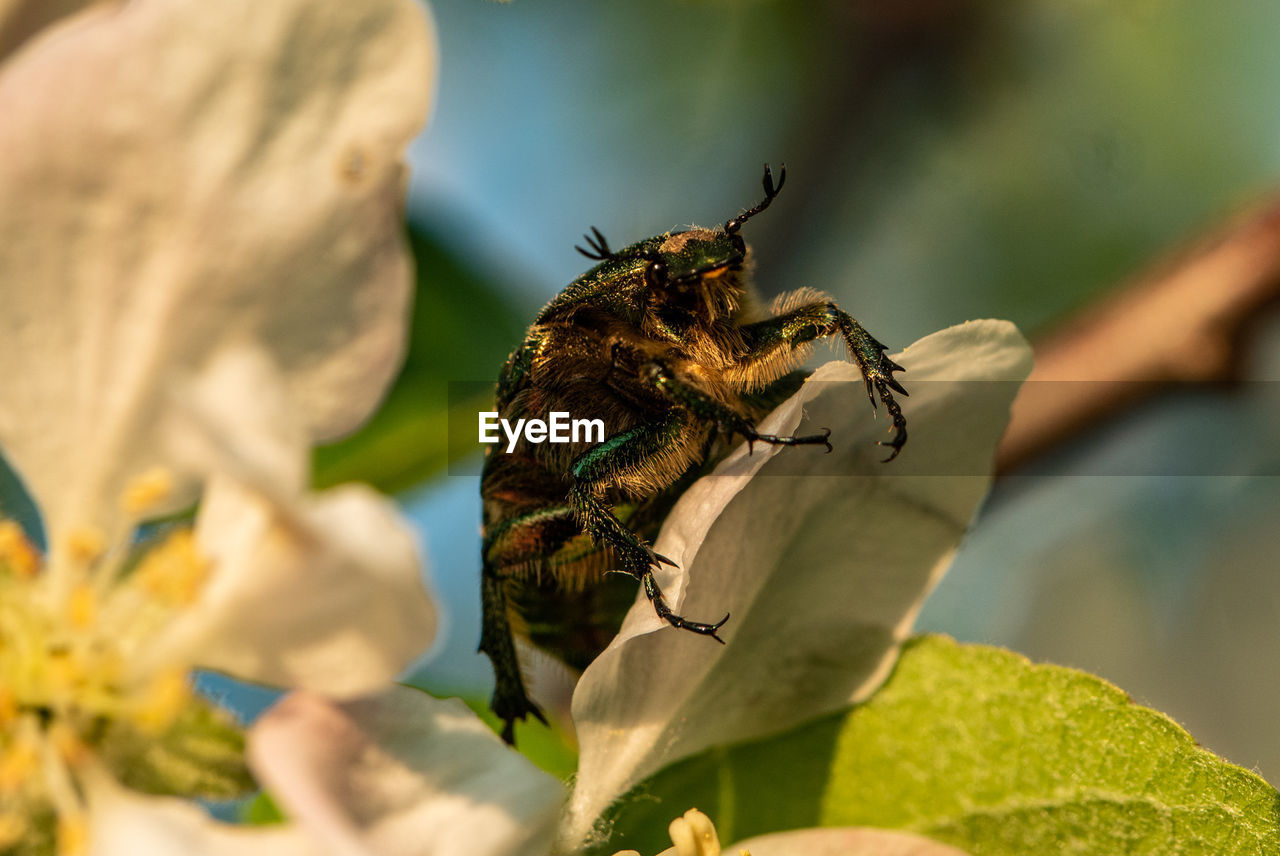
[(696, 270)]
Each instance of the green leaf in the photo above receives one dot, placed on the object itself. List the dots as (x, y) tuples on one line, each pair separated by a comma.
[(462, 330), (262, 811), (978, 748), (16, 503), (200, 756)]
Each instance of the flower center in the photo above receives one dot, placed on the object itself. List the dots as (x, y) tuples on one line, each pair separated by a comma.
[(65, 662)]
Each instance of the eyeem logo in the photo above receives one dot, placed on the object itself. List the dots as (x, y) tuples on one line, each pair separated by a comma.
[(560, 429)]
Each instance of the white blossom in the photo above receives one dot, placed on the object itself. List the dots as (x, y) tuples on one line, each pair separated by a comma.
[(203, 273)]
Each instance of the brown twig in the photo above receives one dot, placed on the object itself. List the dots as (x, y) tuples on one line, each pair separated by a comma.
[(1186, 322)]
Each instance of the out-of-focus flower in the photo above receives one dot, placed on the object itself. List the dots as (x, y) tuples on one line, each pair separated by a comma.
[(823, 562), (203, 272)]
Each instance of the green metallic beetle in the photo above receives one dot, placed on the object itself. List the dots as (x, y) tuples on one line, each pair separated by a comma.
[(665, 342)]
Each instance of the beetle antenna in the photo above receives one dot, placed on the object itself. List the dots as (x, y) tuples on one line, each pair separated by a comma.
[(599, 246), (771, 192)]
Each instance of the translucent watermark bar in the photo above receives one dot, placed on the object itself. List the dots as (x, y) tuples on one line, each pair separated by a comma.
[(1198, 431)]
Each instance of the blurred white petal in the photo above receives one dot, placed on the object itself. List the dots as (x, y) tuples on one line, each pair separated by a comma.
[(402, 773), (823, 561), (207, 173), (123, 823), (324, 595), (236, 418), (318, 591)]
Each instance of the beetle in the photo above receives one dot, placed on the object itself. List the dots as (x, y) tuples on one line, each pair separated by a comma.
[(667, 343)]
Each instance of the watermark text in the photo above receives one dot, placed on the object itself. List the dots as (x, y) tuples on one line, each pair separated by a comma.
[(560, 428)]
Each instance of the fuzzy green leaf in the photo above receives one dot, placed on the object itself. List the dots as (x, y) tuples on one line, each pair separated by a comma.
[(978, 748), (200, 756)]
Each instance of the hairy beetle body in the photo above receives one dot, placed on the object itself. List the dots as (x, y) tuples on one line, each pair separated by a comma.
[(666, 342)]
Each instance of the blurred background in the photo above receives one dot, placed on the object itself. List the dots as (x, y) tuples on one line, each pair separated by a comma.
[(946, 160)]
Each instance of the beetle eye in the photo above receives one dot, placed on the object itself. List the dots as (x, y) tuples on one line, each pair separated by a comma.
[(656, 273), (739, 245)]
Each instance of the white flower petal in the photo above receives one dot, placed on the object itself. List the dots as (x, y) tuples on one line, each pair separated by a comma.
[(236, 418), (401, 774), (841, 841), (318, 591), (125, 823), (325, 595), (822, 560), (207, 173)]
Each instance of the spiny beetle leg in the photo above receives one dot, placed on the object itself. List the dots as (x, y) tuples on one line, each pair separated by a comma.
[(653, 559), (654, 594), (640, 564), (899, 426), (510, 700), (787, 330), (877, 372), (823, 439), (729, 420), (509, 712)]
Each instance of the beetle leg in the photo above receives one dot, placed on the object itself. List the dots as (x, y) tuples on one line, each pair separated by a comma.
[(707, 408), (654, 593), (510, 699), (593, 472), (508, 550), (773, 340)]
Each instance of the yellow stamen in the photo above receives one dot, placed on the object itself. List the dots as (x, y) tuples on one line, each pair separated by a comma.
[(13, 828), (64, 674), (86, 545), (68, 744), (8, 707), (73, 835), (694, 834), (16, 552), (147, 491), (162, 701), (17, 765), (68, 663), (174, 571), (82, 607)]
